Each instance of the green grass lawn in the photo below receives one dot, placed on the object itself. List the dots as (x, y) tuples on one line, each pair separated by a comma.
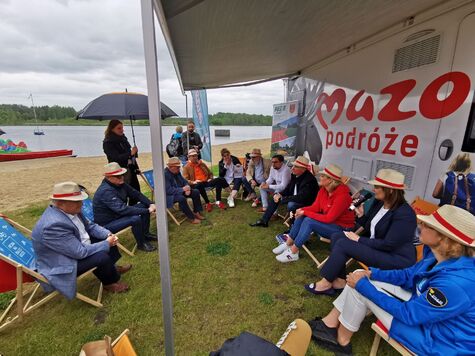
[(225, 280)]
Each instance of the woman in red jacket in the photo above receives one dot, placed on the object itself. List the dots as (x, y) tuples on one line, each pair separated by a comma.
[(327, 215)]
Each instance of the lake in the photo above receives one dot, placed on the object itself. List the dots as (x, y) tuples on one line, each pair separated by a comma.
[(86, 141)]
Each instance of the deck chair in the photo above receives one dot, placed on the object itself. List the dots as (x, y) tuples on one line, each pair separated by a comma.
[(119, 347), (88, 213), (147, 177), (122, 345), (382, 332), (17, 263)]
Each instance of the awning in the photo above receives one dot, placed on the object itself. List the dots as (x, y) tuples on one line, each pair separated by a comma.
[(214, 43)]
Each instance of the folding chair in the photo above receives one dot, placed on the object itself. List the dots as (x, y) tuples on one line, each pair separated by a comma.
[(122, 345), (88, 212), (382, 332), (147, 177), (17, 263)]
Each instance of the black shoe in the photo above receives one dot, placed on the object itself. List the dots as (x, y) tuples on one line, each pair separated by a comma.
[(322, 332), (337, 349), (151, 237), (260, 223), (147, 247)]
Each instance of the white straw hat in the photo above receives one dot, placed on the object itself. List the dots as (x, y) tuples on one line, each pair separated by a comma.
[(174, 162), (192, 152), (68, 191), (301, 162), (113, 169), (256, 152), (453, 222), (333, 171), (389, 178)]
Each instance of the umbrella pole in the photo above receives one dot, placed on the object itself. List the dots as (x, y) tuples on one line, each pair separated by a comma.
[(133, 133)]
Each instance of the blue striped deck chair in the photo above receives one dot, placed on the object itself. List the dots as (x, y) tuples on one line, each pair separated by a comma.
[(17, 267), (147, 177), (88, 212)]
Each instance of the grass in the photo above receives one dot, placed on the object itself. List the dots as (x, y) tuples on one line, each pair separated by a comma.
[(225, 280)]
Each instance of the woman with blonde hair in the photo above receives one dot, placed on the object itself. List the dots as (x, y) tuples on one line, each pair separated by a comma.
[(428, 307), (457, 185), (327, 215)]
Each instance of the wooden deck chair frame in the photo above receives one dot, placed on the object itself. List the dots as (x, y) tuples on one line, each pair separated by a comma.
[(122, 346), (381, 333), (176, 219), (22, 307), (118, 234)]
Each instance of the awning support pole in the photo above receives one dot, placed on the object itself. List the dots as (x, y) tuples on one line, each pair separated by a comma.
[(151, 68)]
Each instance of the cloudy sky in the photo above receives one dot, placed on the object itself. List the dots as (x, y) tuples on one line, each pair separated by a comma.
[(67, 52)]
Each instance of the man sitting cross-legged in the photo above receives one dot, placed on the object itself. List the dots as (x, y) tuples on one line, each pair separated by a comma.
[(200, 177), (178, 190), (301, 191), (112, 212), (67, 245)]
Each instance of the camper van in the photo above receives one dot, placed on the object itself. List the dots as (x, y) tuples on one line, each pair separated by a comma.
[(403, 101)]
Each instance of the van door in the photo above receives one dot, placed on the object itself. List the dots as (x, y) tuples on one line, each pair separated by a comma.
[(453, 128)]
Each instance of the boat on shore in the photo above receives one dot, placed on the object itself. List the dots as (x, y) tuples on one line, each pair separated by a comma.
[(4, 157)]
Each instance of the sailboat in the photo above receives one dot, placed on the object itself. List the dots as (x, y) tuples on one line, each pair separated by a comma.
[(37, 131)]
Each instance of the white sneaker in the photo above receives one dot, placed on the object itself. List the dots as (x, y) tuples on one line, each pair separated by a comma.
[(231, 202), (279, 249), (287, 256)]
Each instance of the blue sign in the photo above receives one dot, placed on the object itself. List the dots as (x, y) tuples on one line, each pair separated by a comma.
[(200, 118), (15, 246)]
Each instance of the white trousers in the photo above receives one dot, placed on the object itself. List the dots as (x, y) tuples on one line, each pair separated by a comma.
[(264, 196), (354, 307)]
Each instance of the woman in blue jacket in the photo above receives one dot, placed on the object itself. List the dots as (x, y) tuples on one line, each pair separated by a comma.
[(385, 239), (429, 307)]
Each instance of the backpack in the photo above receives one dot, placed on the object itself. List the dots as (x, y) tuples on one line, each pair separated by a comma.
[(459, 190), (174, 147)]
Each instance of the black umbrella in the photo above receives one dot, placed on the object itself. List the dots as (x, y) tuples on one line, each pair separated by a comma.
[(2, 132), (123, 105)]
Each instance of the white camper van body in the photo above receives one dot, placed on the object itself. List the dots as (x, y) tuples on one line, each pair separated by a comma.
[(405, 100)]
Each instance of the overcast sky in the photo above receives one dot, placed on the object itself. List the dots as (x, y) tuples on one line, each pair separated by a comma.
[(67, 52)]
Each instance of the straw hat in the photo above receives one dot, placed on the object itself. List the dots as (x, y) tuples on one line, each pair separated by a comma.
[(333, 171), (453, 222), (113, 169), (296, 338), (68, 191), (174, 162), (256, 152), (192, 152), (389, 178), (301, 162)]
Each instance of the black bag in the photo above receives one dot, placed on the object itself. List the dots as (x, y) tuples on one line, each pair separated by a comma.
[(248, 344), (174, 147)]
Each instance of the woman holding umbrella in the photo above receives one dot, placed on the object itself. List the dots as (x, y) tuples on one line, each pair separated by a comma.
[(118, 149)]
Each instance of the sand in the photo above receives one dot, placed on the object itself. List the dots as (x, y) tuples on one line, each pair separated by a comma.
[(25, 182)]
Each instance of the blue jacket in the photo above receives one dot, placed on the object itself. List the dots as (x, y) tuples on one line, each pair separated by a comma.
[(174, 184), (394, 233), (439, 319), (110, 202), (58, 246)]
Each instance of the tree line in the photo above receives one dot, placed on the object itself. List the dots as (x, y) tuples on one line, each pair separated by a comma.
[(13, 114)]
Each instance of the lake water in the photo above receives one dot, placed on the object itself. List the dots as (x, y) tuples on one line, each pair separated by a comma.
[(86, 141)]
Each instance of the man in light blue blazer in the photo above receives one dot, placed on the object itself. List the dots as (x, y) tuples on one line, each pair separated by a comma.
[(67, 245)]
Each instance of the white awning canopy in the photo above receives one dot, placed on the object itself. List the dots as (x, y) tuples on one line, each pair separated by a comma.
[(215, 43)]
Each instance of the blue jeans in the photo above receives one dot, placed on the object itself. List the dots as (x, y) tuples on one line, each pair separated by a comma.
[(140, 225), (237, 183), (181, 199), (272, 208), (304, 226)]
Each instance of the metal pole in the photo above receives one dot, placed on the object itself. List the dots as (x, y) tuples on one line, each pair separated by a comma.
[(151, 69), (186, 105)]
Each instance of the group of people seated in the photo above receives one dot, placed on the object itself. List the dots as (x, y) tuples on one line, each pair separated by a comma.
[(426, 305)]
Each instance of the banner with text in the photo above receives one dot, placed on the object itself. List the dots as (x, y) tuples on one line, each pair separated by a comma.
[(200, 118), (284, 128)]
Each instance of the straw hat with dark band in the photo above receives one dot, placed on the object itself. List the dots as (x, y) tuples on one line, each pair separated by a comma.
[(174, 162), (453, 222), (68, 191), (113, 169), (389, 178), (333, 171)]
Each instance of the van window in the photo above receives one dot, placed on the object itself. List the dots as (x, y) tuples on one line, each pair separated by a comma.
[(468, 144)]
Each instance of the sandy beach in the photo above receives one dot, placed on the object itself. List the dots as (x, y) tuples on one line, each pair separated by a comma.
[(25, 182)]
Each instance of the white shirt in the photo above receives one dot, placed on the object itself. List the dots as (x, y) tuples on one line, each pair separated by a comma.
[(229, 176), (379, 215), (85, 239), (279, 178)]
